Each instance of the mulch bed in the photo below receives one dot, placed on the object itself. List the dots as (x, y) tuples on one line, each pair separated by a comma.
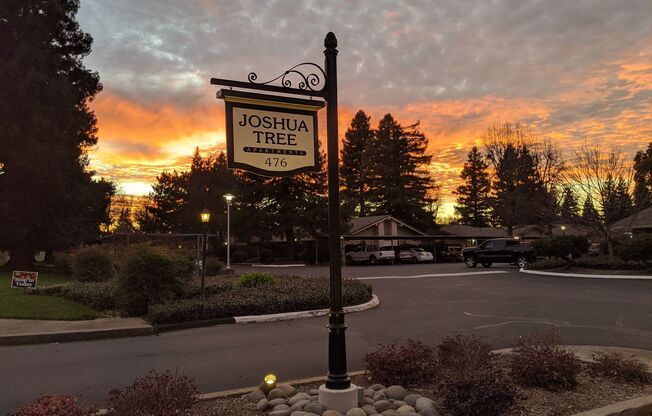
[(591, 393)]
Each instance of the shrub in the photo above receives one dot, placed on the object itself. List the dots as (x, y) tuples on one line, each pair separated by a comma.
[(55, 405), (547, 264), (99, 296), (288, 295), (462, 352), (62, 263), (638, 248), (539, 360), (407, 365), (562, 246), (213, 266), (605, 263), (151, 275), (92, 264), (484, 391), (256, 279), (239, 256), (160, 394), (619, 367), (265, 255)]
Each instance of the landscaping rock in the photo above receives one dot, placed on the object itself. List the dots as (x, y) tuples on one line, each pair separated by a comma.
[(277, 393), (314, 392), (298, 413), (431, 411), (377, 387), (262, 405), (288, 389), (399, 403), (279, 413), (276, 402), (255, 395), (424, 403), (314, 398), (332, 413), (379, 395), (395, 392), (411, 399), (281, 407), (356, 412), (315, 407), (299, 405), (369, 393), (298, 397), (390, 413), (406, 409), (369, 410), (369, 400), (383, 405)]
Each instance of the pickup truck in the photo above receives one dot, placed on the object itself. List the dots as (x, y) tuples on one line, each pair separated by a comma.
[(502, 250), (370, 254)]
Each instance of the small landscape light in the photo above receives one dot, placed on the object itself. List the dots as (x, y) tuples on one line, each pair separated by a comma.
[(269, 383)]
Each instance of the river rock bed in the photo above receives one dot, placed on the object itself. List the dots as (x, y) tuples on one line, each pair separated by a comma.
[(378, 400)]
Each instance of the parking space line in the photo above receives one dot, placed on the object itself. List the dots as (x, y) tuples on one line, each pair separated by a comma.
[(421, 276)]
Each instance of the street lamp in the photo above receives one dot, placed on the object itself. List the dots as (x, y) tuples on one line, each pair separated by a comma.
[(205, 218), (228, 198), (563, 231)]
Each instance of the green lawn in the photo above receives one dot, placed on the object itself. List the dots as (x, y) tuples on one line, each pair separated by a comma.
[(17, 304)]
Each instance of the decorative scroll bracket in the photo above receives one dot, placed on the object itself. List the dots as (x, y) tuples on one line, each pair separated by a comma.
[(310, 83)]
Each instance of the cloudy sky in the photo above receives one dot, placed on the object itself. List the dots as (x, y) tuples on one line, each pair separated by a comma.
[(575, 71)]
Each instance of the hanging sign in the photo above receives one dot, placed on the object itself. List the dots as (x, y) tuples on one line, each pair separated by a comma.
[(270, 135)]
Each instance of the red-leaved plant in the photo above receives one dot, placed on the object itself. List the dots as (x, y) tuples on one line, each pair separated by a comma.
[(55, 405), (407, 365)]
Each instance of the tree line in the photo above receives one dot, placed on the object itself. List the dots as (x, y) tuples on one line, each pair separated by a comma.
[(383, 170), (519, 179)]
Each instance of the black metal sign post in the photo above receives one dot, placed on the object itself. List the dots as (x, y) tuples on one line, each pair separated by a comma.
[(337, 378)]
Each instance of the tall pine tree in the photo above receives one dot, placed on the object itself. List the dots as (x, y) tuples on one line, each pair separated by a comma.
[(473, 196), (643, 178), (355, 163), (400, 183), (569, 211), (48, 198)]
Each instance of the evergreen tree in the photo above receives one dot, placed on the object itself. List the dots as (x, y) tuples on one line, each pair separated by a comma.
[(643, 178), (123, 223), (590, 214), (353, 173), (48, 198), (569, 209), (473, 197), (400, 183), (618, 203)]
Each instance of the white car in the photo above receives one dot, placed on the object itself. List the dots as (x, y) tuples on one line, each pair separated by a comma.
[(369, 254), (421, 255)]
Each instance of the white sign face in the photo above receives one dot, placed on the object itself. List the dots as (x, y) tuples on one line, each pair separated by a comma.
[(271, 135), (272, 140)]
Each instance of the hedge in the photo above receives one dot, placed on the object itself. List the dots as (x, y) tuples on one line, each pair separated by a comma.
[(290, 294)]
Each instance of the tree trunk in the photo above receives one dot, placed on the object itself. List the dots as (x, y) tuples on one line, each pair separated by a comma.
[(510, 230), (22, 259)]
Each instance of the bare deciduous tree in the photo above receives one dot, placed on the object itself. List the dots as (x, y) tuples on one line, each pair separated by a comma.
[(593, 175)]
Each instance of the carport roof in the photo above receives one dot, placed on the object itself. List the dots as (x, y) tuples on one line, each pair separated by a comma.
[(361, 223)]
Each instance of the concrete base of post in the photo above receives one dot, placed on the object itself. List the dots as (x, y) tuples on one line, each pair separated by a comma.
[(340, 400), (228, 270)]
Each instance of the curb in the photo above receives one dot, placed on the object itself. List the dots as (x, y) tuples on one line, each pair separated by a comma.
[(589, 276), (640, 406), (88, 335), (278, 265), (286, 316)]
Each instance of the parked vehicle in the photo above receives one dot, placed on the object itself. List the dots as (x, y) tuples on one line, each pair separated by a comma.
[(502, 250), (369, 254), (420, 255), (452, 254), (401, 254)]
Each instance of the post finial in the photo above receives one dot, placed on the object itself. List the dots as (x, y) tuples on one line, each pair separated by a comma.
[(330, 42)]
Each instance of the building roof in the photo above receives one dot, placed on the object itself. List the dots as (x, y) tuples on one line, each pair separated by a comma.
[(641, 219), (472, 232), (362, 223)]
